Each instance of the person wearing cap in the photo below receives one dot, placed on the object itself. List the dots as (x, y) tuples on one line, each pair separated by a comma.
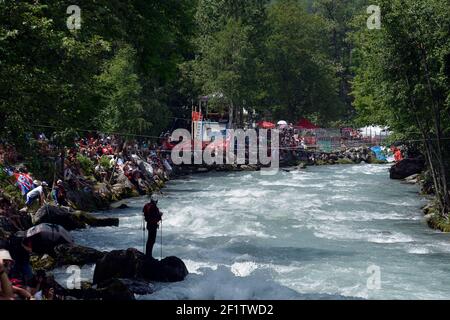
[(152, 216), (6, 289), (38, 192), (59, 194)]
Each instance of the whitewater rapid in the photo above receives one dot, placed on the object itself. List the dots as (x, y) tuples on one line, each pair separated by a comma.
[(313, 234)]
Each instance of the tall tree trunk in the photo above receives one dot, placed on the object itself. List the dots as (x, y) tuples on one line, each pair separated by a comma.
[(438, 133)]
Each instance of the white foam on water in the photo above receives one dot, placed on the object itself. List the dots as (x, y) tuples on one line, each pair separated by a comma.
[(419, 250), (301, 235), (390, 238), (243, 269), (223, 284)]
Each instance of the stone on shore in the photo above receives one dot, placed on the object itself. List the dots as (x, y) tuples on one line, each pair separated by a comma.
[(406, 168), (412, 179), (170, 269), (69, 219), (132, 264), (119, 264), (68, 254)]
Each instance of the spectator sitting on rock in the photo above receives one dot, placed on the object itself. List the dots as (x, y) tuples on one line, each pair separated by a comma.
[(20, 249), (11, 289), (6, 290)]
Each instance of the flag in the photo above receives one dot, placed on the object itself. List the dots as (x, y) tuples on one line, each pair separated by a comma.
[(24, 182)]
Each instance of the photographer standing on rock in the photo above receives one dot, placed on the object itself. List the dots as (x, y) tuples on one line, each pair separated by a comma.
[(152, 216)]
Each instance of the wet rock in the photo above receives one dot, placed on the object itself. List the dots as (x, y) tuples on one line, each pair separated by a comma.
[(170, 269), (115, 290), (87, 199), (119, 264), (412, 179), (57, 215), (121, 206), (93, 221), (132, 264), (406, 168), (67, 254), (69, 219)]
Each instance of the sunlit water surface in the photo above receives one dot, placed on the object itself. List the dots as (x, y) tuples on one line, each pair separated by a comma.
[(319, 233)]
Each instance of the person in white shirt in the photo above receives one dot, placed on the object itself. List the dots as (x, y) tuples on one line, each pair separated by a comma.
[(36, 193)]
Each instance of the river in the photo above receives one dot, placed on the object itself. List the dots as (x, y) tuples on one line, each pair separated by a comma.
[(327, 232)]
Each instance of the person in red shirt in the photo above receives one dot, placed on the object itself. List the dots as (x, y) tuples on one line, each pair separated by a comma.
[(152, 216), (398, 155)]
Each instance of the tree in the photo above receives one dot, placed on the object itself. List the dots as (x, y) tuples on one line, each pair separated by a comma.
[(123, 111), (299, 73), (402, 80), (223, 64), (339, 15)]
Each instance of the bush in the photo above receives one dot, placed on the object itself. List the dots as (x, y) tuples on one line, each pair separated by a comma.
[(14, 195), (105, 162), (86, 164)]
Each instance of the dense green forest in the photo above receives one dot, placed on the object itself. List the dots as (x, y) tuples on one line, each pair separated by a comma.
[(135, 66)]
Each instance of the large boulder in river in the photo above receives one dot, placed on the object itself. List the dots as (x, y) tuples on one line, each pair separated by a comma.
[(119, 264), (88, 198), (170, 269), (406, 168), (132, 264), (70, 254), (57, 215), (69, 219)]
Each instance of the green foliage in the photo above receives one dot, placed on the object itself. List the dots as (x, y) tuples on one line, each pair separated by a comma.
[(86, 164), (121, 90), (105, 162), (402, 80), (50, 74), (13, 193), (3, 175), (300, 74)]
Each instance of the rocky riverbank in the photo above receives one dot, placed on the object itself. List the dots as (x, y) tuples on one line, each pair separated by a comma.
[(413, 171)]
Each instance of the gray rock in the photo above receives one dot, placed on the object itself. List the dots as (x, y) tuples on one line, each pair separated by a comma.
[(69, 219), (406, 168), (67, 254), (132, 264), (119, 264)]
